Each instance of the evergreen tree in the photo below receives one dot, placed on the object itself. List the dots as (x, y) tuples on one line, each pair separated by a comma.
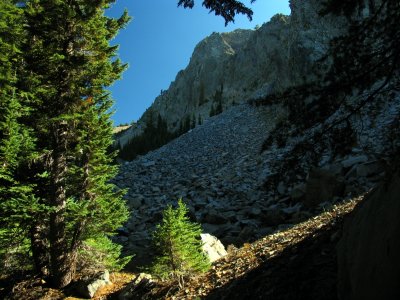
[(180, 248), (187, 123), (212, 111), (202, 98), (193, 121), (68, 63), (151, 138)]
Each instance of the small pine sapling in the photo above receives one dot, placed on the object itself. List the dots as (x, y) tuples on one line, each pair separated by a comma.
[(178, 243)]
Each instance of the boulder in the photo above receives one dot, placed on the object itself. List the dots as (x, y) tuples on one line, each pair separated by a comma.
[(213, 217), (370, 168), (246, 234), (298, 192), (335, 169), (254, 212), (353, 160), (272, 217), (368, 252), (89, 285), (137, 287), (281, 188), (290, 210), (135, 202), (212, 247), (218, 230), (147, 164), (322, 186)]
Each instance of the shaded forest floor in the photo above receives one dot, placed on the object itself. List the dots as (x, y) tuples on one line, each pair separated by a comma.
[(297, 263)]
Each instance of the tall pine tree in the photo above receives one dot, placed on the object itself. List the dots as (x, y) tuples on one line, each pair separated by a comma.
[(68, 64)]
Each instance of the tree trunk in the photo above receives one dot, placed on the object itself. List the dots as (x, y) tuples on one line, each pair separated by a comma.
[(40, 251), (62, 259), (85, 196)]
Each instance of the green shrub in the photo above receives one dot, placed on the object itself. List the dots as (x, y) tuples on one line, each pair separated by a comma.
[(101, 252), (179, 246), (14, 256)]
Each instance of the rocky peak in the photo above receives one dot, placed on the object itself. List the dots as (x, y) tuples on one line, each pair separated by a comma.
[(234, 67), (220, 45)]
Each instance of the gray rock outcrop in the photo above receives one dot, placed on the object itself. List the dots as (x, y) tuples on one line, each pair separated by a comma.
[(322, 186), (212, 247), (137, 287), (89, 286), (368, 253)]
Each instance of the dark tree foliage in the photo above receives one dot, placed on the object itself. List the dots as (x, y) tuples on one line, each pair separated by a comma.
[(216, 106), (152, 137), (16, 143), (228, 9), (364, 66), (155, 135)]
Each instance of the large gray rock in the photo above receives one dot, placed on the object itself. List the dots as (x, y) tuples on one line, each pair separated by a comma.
[(89, 286), (272, 217), (353, 160), (369, 251), (137, 287), (298, 192), (370, 168), (212, 247), (213, 217), (321, 187)]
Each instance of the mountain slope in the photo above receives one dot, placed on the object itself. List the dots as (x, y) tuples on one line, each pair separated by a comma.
[(215, 169)]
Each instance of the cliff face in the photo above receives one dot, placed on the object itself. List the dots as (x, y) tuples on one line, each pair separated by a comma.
[(234, 67), (194, 88), (368, 261)]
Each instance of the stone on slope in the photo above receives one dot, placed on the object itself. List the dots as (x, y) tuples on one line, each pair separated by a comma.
[(89, 286), (212, 247), (322, 186), (366, 169), (272, 217), (298, 192), (213, 217), (136, 287), (353, 160)]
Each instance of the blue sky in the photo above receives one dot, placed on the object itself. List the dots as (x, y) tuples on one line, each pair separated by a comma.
[(159, 41)]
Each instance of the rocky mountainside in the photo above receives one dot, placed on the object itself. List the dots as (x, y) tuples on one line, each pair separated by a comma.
[(231, 68), (220, 167), (219, 170), (215, 168)]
